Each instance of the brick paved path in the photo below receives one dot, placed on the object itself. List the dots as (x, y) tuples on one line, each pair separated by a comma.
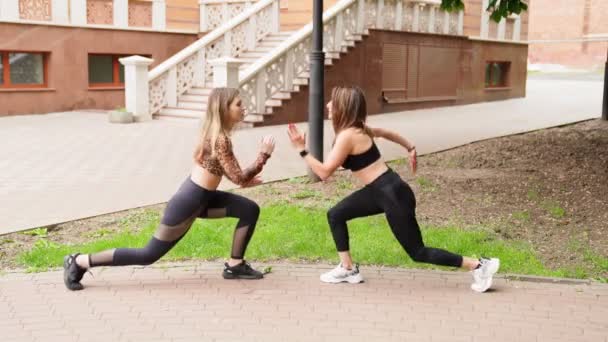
[(191, 302)]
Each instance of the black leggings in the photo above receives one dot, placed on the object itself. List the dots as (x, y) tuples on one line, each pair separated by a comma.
[(190, 201), (388, 194)]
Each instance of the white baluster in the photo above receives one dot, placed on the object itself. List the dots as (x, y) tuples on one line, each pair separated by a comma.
[(251, 33), (485, 19), (137, 86), (517, 29), (203, 15), (379, 16), (9, 10), (501, 28), (159, 15), (275, 17), (260, 91), (460, 23), (446, 22), (199, 69), (339, 34), (431, 23), (399, 16), (60, 11), (225, 72), (78, 12), (228, 43), (416, 19), (121, 13), (290, 62), (361, 16), (172, 87), (225, 13)]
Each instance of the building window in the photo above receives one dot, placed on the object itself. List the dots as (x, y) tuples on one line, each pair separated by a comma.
[(106, 71), (22, 69), (497, 74)]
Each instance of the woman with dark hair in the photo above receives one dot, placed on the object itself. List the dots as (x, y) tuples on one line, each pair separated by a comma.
[(384, 191), (197, 197)]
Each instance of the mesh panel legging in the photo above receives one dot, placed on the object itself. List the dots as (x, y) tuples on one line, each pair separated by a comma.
[(388, 194), (190, 201)]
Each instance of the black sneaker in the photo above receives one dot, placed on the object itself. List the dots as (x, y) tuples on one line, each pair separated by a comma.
[(241, 271), (72, 273)]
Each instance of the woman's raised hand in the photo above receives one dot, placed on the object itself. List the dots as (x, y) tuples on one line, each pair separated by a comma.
[(413, 162), (267, 144), (298, 140)]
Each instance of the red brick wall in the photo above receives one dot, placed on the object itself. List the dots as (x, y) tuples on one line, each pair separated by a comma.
[(363, 66), (68, 49), (558, 26)]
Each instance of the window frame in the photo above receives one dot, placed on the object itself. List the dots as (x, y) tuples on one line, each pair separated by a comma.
[(6, 70), (505, 71), (115, 71)]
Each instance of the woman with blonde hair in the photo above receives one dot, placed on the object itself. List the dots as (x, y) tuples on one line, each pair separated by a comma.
[(197, 197), (383, 192)]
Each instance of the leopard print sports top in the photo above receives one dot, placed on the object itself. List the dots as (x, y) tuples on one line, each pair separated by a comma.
[(224, 162)]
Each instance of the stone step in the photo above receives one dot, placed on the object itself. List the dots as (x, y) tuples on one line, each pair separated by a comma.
[(199, 91), (194, 98), (252, 54), (181, 113), (198, 106)]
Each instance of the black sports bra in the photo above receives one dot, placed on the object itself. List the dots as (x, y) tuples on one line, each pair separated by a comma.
[(356, 162)]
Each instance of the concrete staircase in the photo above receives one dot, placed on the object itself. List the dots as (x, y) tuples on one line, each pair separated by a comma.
[(193, 103)]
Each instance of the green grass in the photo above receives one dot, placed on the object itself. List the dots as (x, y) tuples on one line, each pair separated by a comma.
[(425, 184), (40, 232), (554, 209), (294, 233), (523, 215)]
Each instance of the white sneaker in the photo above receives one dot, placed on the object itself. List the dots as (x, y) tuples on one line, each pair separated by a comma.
[(482, 276), (341, 274)]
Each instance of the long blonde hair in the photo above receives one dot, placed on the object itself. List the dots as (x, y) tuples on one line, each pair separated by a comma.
[(349, 109), (216, 121)]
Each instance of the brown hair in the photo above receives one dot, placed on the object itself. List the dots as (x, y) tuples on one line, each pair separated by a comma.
[(349, 109), (216, 121)]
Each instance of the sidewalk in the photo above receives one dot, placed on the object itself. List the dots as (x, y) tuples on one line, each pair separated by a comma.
[(66, 166), (191, 302)]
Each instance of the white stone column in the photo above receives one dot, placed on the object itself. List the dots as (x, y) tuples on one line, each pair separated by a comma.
[(159, 15), (461, 23), (446, 22), (78, 12), (431, 26), (502, 25), (517, 29), (225, 72), (399, 16), (9, 10), (416, 20), (60, 11), (137, 86), (485, 19), (121, 13), (379, 14)]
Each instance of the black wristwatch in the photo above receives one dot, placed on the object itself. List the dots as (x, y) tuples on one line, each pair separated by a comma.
[(303, 153)]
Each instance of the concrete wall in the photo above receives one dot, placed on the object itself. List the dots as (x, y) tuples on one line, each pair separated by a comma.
[(68, 48), (461, 60)]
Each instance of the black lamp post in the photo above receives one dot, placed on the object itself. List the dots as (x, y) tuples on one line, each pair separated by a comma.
[(316, 89), (605, 104)]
